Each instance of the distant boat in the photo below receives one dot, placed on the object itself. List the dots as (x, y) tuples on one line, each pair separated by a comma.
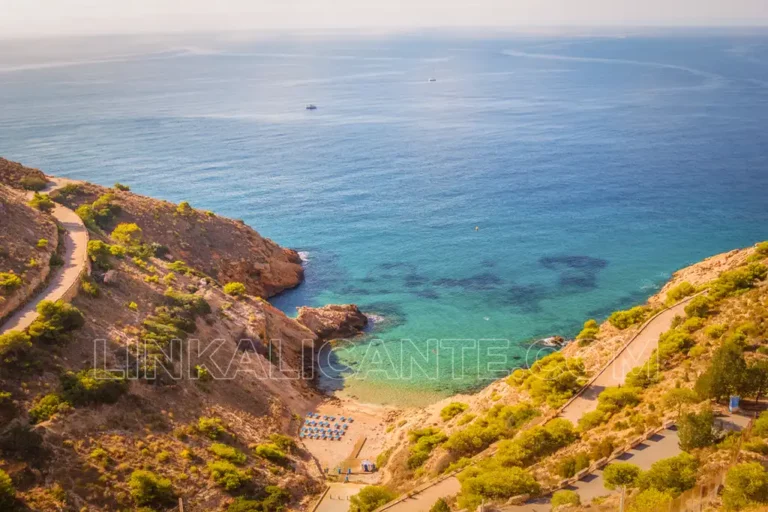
[(433, 79), (311, 107)]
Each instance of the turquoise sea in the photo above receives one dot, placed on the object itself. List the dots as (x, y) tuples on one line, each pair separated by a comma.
[(592, 167)]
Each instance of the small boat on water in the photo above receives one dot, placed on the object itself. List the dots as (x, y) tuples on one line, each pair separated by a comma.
[(433, 79), (311, 107)]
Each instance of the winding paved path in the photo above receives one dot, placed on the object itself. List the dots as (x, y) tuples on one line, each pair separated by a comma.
[(65, 277), (635, 352)]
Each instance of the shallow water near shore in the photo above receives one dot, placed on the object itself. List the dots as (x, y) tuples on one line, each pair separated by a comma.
[(536, 183)]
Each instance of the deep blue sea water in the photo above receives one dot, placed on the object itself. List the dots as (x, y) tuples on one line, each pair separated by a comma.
[(593, 167)]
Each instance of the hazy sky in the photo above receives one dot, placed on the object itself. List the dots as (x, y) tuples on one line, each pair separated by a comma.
[(34, 17)]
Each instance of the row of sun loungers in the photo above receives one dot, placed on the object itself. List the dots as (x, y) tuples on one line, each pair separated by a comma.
[(312, 415)]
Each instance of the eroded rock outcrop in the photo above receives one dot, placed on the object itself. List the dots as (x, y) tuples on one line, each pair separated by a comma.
[(333, 321)]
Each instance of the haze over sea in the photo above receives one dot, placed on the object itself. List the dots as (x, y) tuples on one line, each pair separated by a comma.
[(594, 167)]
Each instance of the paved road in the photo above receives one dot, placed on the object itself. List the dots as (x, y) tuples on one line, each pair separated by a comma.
[(66, 276), (637, 353), (337, 497), (657, 447)]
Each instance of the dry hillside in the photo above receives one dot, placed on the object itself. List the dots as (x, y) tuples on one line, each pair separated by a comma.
[(28, 237)]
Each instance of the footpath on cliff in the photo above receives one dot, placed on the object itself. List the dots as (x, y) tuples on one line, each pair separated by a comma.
[(65, 278)]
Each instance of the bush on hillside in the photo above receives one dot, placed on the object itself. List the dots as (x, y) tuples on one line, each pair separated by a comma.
[(572, 464), (491, 481), (565, 497), (738, 280), (623, 319), (226, 452), (452, 410), (13, 344), (614, 399), (746, 485), (9, 282), (644, 376), (46, 407), (726, 375), (271, 452), (589, 331), (7, 491), (423, 441), (674, 475), (99, 254), (499, 422), (35, 183), (536, 443), (650, 500), (700, 307), (42, 202), (55, 320), (552, 379), (696, 430), (370, 498), (147, 488), (227, 475), (212, 428), (680, 291), (235, 289), (127, 234), (121, 187), (95, 386)]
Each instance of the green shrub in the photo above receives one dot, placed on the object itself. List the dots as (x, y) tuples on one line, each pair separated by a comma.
[(624, 319), (452, 410), (7, 490), (227, 475), (235, 289), (270, 452), (680, 291), (85, 212), (104, 210), (695, 430), (440, 506), (121, 187), (127, 234), (499, 422), (644, 376), (494, 482), (565, 497), (42, 202), (35, 183), (283, 442), (552, 379), (184, 208), (589, 331), (693, 324), (55, 320), (650, 500), (9, 282), (536, 443), (383, 458), (572, 464), (423, 441), (700, 307), (757, 446), (226, 452), (46, 407), (674, 475), (746, 485), (194, 303), (613, 399), (274, 500), (89, 286), (99, 254), (147, 488), (370, 498), (13, 344), (592, 419), (672, 343), (42, 243), (738, 280), (212, 428), (93, 386)]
